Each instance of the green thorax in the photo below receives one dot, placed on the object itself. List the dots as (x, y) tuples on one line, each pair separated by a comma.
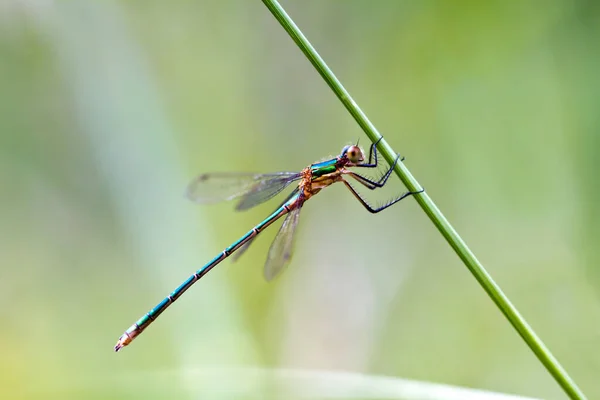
[(323, 168)]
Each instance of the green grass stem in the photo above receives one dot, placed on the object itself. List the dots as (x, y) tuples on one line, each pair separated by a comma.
[(436, 216)]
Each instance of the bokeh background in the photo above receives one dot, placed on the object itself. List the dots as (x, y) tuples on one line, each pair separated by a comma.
[(108, 109)]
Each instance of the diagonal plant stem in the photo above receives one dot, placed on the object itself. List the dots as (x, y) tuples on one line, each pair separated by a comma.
[(436, 216)]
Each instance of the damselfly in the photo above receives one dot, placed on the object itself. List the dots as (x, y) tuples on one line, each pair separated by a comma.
[(253, 189)]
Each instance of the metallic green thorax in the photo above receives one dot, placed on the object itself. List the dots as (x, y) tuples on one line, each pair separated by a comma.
[(324, 168)]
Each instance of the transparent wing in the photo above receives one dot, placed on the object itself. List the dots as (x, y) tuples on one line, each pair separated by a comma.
[(263, 190), (280, 252), (243, 249), (253, 188)]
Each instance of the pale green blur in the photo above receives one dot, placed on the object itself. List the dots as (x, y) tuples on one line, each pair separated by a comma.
[(108, 109)]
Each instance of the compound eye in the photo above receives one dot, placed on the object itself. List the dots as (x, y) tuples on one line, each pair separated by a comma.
[(354, 154)]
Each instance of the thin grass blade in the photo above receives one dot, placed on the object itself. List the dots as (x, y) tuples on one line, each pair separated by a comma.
[(456, 242)]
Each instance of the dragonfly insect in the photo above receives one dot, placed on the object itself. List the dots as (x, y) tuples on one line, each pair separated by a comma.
[(254, 189)]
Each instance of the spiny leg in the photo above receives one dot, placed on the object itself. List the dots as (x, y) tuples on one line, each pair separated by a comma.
[(373, 162), (370, 183), (363, 180), (383, 179), (372, 149), (378, 209)]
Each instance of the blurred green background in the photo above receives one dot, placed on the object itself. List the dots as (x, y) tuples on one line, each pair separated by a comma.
[(108, 109)]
